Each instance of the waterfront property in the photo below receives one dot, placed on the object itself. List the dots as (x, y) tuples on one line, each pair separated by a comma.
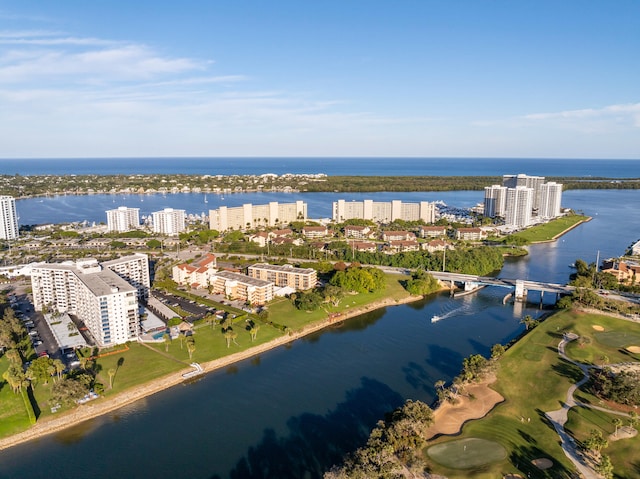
[(285, 275), (169, 221), (242, 287), (384, 211), (8, 218), (103, 296), (123, 219), (250, 216), (520, 198)]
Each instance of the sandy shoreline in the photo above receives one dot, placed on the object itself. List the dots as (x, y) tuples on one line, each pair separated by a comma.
[(103, 406)]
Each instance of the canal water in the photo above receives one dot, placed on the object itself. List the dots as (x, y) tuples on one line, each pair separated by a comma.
[(294, 411)]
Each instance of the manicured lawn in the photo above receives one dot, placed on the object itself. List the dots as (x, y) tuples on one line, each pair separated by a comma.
[(623, 452), (467, 453), (548, 230), (141, 364), (283, 312), (211, 344), (533, 379), (595, 344), (137, 366), (13, 416)]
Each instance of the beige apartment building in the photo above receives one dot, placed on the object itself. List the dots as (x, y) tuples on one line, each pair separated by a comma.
[(250, 216), (244, 288), (285, 275), (383, 211)]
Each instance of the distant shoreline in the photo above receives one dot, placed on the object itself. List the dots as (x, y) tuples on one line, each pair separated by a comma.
[(104, 406)]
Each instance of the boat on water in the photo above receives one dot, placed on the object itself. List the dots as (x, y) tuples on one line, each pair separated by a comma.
[(205, 199), (435, 318)]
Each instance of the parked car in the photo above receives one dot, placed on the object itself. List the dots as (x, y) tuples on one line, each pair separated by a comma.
[(33, 332), (37, 343)]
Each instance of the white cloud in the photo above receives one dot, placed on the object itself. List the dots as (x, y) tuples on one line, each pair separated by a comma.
[(592, 119)]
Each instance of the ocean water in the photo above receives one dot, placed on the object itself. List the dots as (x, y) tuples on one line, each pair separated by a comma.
[(330, 166)]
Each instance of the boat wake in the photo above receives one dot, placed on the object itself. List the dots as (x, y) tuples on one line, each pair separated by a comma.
[(439, 317)]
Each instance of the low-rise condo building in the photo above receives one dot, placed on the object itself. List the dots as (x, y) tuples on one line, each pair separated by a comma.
[(242, 287), (285, 275)]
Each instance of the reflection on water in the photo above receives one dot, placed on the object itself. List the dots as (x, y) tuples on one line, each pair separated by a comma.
[(310, 397)]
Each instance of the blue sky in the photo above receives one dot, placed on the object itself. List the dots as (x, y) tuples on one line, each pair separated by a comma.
[(333, 78)]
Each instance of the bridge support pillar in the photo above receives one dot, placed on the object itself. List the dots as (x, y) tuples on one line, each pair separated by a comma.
[(541, 299), (470, 285), (521, 292)]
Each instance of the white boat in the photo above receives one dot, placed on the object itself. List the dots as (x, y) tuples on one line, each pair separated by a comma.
[(435, 318), (205, 199)]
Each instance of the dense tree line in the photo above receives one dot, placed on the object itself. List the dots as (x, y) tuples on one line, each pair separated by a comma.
[(622, 387), (394, 447), (34, 185)]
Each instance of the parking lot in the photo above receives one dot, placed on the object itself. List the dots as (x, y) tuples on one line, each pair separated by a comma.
[(196, 311), (38, 330)]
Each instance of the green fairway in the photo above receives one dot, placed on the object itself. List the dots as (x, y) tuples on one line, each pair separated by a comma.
[(467, 453), (534, 379), (618, 339), (593, 344)]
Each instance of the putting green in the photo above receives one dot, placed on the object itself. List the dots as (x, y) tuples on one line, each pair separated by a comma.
[(467, 453), (618, 339)]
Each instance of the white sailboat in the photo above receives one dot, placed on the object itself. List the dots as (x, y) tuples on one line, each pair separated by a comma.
[(205, 199)]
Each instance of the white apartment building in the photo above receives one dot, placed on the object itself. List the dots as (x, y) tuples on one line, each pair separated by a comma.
[(168, 222), (250, 216), (495, 201), (550, 199), (123, 219), (135, 270), (383, 212), (8, 218), (106, 303), (519, 206), (535, 182), (284, 275)]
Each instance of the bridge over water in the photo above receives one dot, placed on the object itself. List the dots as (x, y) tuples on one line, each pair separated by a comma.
[(520, 286)]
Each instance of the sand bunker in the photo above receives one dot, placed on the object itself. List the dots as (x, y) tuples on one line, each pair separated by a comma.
[(542, 463), (633, 349), (597, 327), (449, 418)]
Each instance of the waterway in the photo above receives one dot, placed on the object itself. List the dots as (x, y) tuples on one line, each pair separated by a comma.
[(292, 412)]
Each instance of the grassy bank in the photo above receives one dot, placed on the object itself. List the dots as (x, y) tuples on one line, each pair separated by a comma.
[(534, 380), (551, 230), (144, 364)]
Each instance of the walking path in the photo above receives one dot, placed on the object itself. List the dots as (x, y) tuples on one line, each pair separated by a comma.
[(559, 417)]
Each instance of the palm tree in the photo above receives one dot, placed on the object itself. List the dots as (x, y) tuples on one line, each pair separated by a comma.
[(633, 419), (112, 373), (191, 346), (167, 341), (617, 422), (59, 367), (253, 331), (228, 336), (439, 384)]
